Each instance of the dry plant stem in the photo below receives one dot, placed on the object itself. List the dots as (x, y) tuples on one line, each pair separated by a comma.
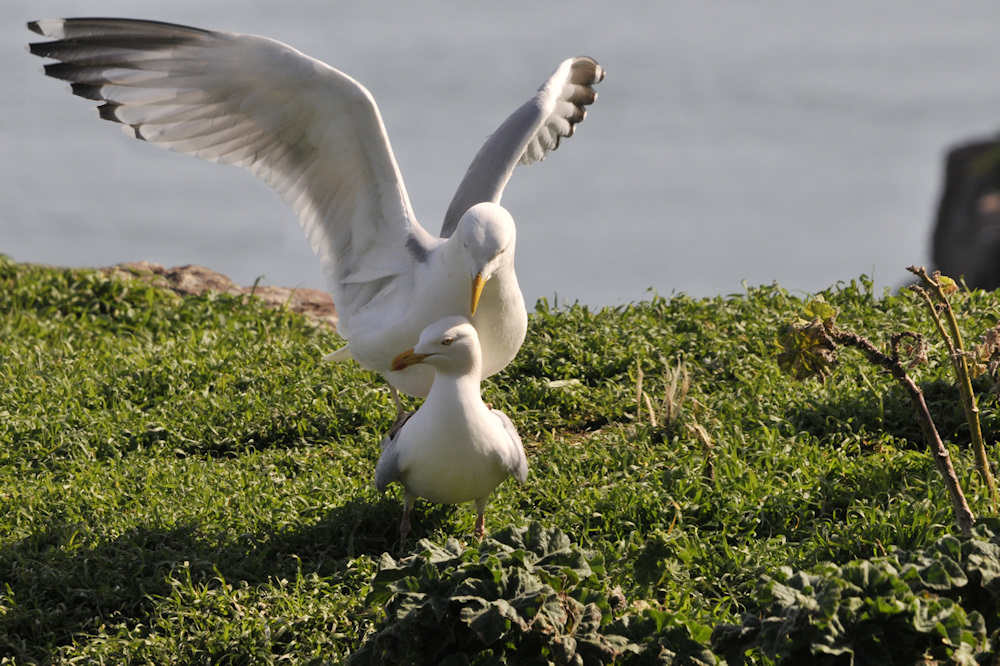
[(961, 364), (638, 391), (640, 397), (963, 514)]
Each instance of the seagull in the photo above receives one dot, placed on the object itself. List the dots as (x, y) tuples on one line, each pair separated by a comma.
[(315, 135), (453, 449)]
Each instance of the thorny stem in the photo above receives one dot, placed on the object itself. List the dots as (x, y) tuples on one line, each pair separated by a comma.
[(960, 362), (963, 514)]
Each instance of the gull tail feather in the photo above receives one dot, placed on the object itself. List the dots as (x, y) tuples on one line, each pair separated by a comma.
[(339, 356)]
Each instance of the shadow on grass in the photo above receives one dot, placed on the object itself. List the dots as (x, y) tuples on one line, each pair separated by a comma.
[(58, 586), (892, 413), (277, 431)]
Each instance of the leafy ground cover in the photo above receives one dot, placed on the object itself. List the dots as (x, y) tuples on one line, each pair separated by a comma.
[(182, 480)]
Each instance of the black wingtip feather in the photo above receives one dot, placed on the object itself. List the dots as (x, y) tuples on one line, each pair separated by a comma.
[(101, 28), (87, 91), (39, 49), (589, 70), (72, 72), (107, 112)]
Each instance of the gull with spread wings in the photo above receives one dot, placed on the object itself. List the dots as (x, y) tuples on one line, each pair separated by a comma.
[(315, 136)]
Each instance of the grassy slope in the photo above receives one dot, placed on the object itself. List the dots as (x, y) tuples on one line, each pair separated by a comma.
[(183, 478)]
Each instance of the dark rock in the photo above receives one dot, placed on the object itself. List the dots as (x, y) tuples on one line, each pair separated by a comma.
[(966, 239)]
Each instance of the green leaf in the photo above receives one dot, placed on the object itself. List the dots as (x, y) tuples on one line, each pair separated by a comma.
[(818, 308), (806, 350), (948, 285)]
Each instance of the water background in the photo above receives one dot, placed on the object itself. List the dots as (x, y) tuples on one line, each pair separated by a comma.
[(773, 141)]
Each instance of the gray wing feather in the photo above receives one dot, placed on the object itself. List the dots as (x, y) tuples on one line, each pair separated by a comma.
[(527, 135), (387, 468), (513, 457)]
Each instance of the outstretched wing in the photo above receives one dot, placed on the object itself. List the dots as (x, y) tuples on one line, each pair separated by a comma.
[(527, 135), (309, 131)]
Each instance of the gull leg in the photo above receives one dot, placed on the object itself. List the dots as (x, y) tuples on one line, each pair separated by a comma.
[(401, 416), (396, 401), (480, 530), (404, 524)]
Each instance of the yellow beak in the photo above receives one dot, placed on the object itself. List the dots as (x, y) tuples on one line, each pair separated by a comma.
[(477, 291), (406, 359)]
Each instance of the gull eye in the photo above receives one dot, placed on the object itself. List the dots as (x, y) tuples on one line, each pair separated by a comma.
[(447, 341)]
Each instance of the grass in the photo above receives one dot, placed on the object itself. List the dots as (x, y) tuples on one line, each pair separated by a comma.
[(182, 480)]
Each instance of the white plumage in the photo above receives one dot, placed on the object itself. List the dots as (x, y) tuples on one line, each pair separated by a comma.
[(454, 448), (315, 136)]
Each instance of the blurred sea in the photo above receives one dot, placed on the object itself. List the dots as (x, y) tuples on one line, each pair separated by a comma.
[(770, 141)]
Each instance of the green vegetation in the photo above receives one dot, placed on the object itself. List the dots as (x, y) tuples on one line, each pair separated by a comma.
[(182, 480)]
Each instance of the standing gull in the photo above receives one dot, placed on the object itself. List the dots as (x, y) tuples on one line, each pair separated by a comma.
[(454, 448), (315, 136)]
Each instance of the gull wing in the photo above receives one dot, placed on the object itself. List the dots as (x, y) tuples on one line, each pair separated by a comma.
[(310, 132), (513, 456), (387, 468), (527, 135)]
